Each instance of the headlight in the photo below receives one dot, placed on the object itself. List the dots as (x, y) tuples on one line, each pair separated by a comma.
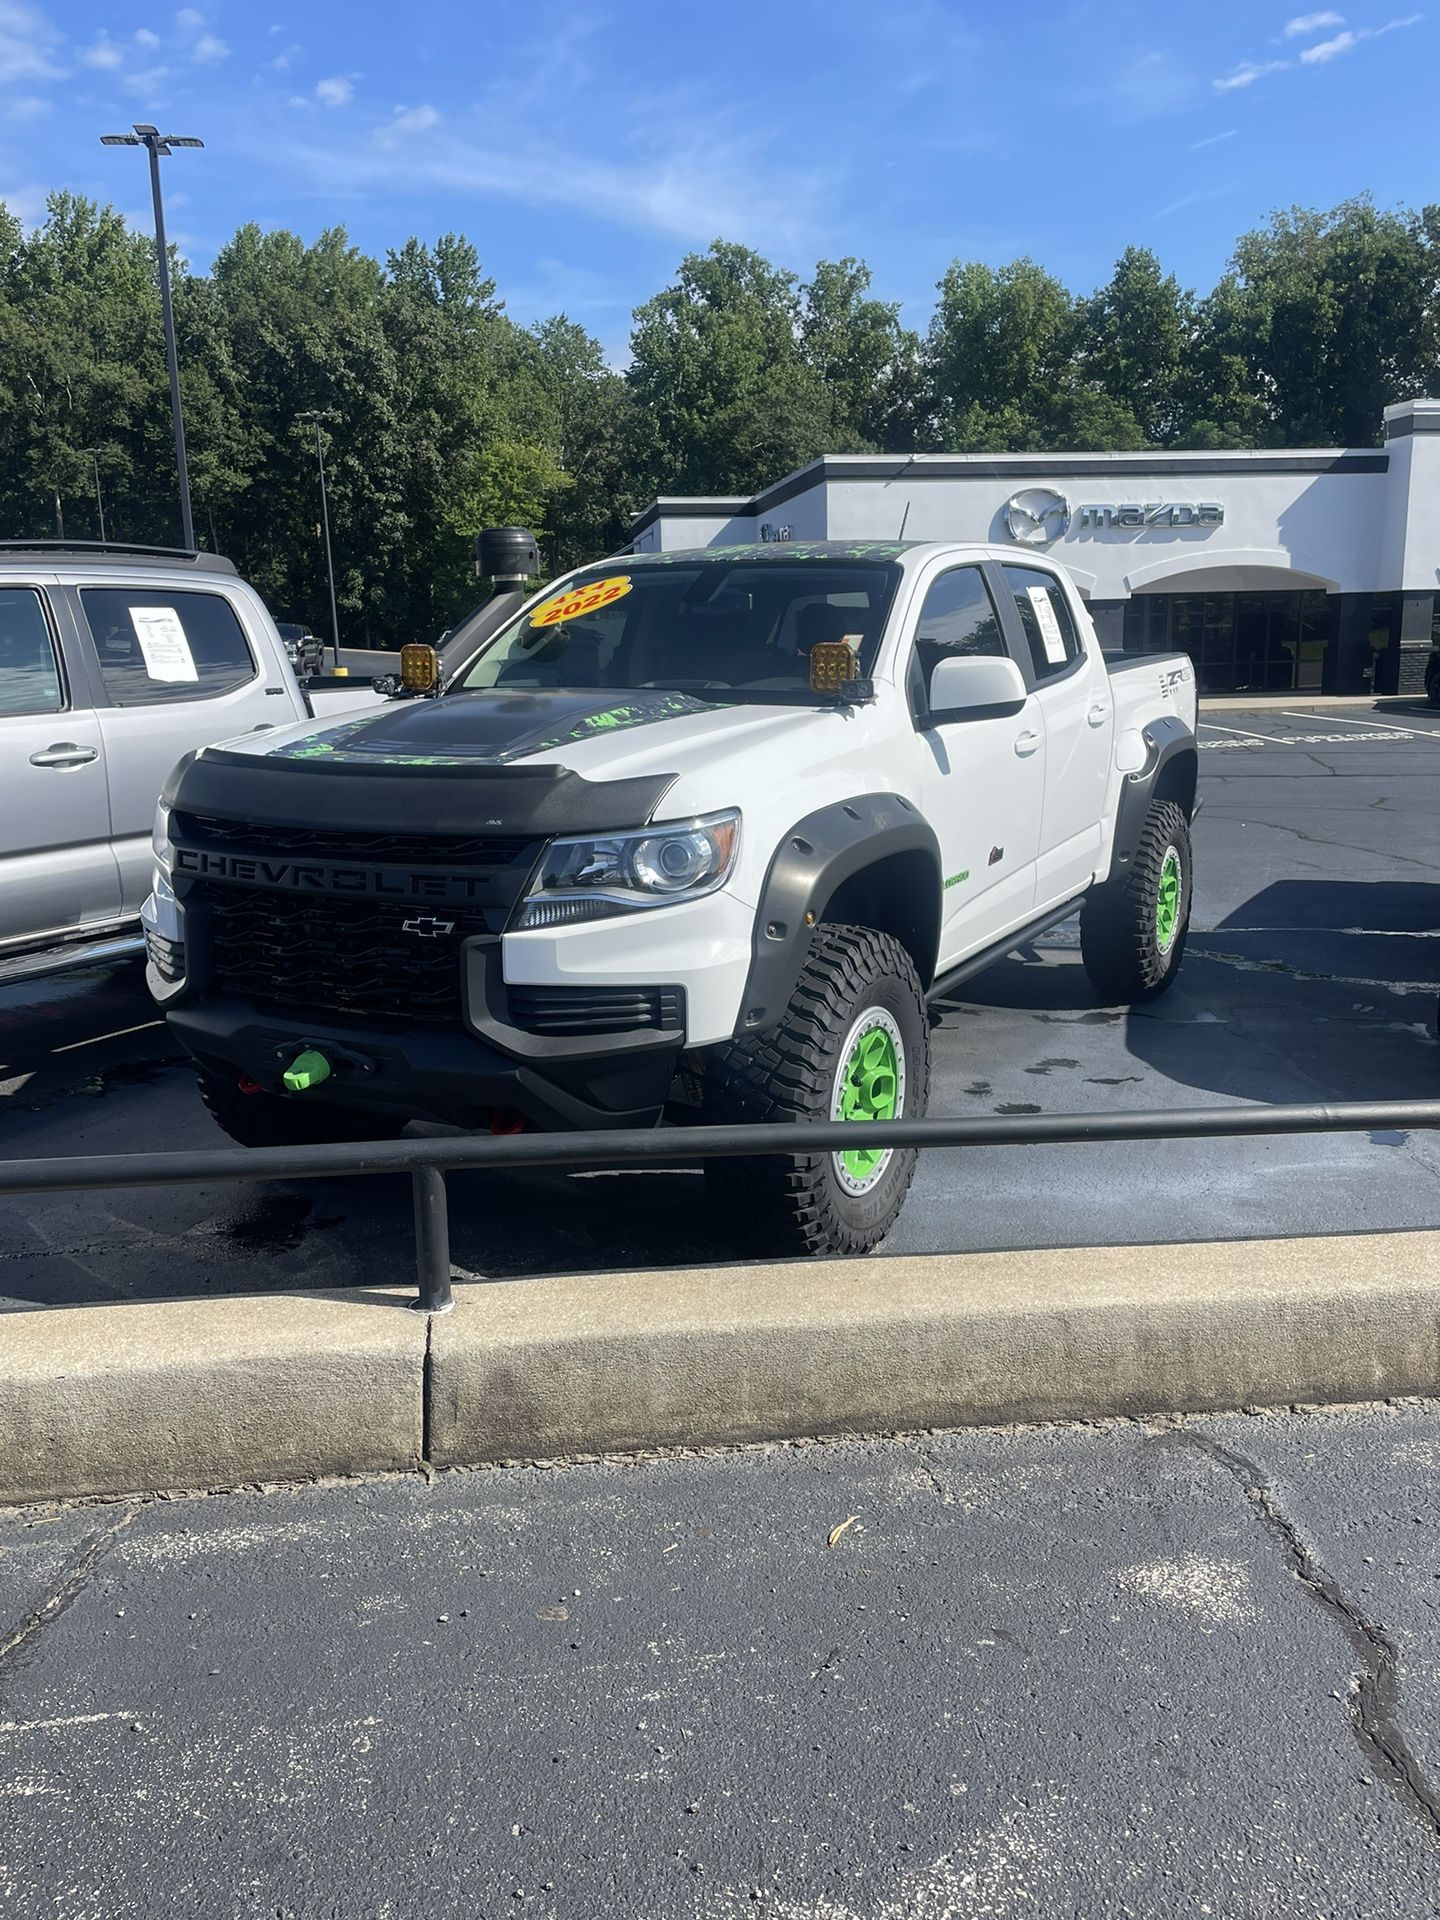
[(160, 839), (594, 877)]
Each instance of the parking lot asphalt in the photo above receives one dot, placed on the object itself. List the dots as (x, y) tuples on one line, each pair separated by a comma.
[(1147, 1670), (1311, 974)]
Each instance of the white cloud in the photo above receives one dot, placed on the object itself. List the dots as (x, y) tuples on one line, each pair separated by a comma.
[(148, 85), (104, 53), (1305, 24), (414, 120), (1214, 139), (1247, 73), (335, 92), (27, 106), (1328, 49), (1148, 86), (208, 50), (189, 21), (145, 38), (27, 44)]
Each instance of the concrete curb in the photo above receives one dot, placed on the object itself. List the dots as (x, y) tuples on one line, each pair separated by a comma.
[(207, 1393), (962, 1339), (196, 1394)]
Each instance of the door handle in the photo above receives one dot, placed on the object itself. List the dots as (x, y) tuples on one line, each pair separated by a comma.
[(1098, 714), (1026, 743), (64, 753)]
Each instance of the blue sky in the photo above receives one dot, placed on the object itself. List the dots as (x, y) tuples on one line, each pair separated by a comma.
[(584, 147)]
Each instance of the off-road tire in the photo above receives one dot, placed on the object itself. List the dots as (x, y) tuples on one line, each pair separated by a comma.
[(800, 1205), (1120, 938), (1432, 689), (265, 1120)]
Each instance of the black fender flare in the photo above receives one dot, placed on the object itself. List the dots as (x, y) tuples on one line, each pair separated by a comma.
[(813, 861), (1173, 762)]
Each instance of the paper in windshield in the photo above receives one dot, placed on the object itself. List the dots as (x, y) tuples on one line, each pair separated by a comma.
[(1050, 634), (163, 643)]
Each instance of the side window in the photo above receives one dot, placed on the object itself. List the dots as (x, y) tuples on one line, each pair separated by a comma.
[(958, 617), (155, 647), (29, 671), (1046, 618)]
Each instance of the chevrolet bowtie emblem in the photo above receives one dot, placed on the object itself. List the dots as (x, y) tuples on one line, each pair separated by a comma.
[(427, 928)]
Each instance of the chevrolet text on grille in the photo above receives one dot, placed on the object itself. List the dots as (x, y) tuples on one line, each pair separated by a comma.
[(310, 877)]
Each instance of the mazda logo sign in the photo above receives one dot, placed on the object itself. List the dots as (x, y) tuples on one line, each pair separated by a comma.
[(1036, 516)]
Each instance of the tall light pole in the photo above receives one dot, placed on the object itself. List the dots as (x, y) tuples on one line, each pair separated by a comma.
[(315, 415), (157, 145), (94, 453)]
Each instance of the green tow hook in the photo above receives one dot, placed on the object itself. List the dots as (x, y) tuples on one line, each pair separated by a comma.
[(306, 1070)]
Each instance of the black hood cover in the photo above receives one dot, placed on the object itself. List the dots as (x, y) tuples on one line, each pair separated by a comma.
[(453, 766), (482, 729)]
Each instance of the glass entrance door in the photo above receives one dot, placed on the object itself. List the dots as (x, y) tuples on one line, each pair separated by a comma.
[(1240, 642)]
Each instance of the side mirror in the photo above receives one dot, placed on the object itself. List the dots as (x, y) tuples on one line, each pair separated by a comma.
[(977, 686)]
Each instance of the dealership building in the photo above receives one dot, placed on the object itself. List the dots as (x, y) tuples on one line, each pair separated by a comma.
[(1310, 571)]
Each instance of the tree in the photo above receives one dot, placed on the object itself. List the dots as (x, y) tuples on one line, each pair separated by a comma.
[(724, 399), (1133, 337), (1334, 315), (1000, 356), (864, 358)]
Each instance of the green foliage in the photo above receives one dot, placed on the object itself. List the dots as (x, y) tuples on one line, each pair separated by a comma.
[(442, 415)]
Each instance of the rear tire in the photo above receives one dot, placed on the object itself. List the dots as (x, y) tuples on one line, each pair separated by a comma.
[(265, 1120), (854, 1043), (1133, 928), (1432, 689)]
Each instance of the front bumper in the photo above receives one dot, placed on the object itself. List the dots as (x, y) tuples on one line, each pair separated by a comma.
[(455, 1079), (500, 1058)]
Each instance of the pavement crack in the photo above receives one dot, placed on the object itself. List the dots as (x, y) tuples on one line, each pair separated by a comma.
[(1375, 1687), (70, 1588), (927, 1467)]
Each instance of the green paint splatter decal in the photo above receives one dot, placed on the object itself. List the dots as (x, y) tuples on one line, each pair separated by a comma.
[(371, 740)]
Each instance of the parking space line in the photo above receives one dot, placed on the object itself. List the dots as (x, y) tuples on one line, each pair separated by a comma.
[(1419, 733), (1262, 739)]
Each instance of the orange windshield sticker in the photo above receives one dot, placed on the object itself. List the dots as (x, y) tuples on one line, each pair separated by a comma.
[(576, 601)]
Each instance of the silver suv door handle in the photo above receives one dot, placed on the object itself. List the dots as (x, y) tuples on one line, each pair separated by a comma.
[(64, 753), (1026, 743), (1098, 714)]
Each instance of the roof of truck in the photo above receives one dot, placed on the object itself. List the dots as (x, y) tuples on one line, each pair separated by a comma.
[(113, 553), (775, 550)]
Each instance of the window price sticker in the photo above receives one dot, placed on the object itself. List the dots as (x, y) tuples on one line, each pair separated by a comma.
[(1050, 634), (163, 643)]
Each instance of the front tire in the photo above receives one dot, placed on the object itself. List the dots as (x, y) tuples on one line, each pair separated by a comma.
[(1133, 928), (265, 1120), (854, 1043)]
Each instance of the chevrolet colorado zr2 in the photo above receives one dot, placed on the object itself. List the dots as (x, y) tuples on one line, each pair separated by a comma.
[(693, 830)]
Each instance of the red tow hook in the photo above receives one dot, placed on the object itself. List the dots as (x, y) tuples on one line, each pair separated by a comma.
[(506, 1120), (246, 1085)]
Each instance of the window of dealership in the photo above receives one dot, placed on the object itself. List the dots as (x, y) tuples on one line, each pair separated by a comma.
[(1307, 571)]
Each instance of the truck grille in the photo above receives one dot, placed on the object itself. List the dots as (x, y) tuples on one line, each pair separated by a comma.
[(578, 1010), (325, 955), (328, 843)]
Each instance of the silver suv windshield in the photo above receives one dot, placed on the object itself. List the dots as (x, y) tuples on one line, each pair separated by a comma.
[(734, 629)]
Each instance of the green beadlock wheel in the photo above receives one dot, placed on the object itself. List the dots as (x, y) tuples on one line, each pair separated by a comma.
[(869, 1086), (1167, 900)]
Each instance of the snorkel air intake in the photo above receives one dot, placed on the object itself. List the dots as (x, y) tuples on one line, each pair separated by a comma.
[(508, 557)]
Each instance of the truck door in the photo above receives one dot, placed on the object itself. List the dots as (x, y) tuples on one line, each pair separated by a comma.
[(57, 873), (1073, 691), (180, 672), (983, 778)]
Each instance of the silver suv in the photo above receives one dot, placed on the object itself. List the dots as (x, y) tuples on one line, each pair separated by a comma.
[(114, 663)]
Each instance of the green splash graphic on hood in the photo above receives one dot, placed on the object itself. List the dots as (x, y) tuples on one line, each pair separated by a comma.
[(345, 744)]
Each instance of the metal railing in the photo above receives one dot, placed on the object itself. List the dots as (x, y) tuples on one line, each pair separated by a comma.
[(428, 1160)]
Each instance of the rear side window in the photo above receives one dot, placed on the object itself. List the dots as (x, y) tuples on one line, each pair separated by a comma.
[(29, 671), (957, 619), (156, 647), (1046, 618)]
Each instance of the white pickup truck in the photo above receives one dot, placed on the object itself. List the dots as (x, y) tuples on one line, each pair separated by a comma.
[(693, 831), (115, 661)]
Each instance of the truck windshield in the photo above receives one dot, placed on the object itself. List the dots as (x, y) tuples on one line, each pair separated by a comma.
[(740, 629)]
